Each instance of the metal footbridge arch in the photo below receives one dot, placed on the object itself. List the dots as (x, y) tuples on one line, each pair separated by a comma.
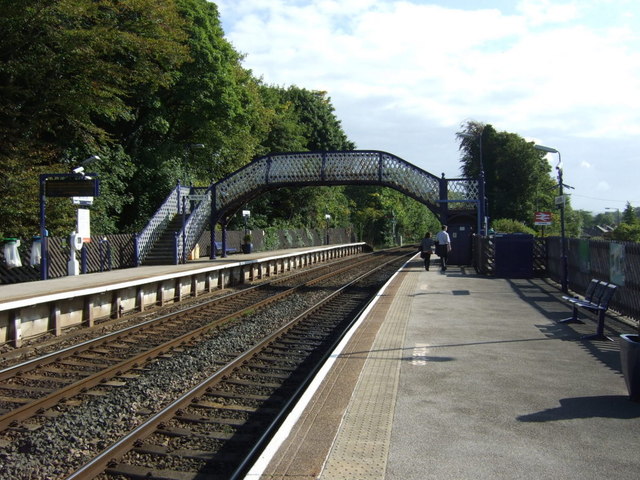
[(353, 167)]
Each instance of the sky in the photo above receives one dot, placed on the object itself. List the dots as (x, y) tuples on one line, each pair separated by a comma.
[(404, 76)]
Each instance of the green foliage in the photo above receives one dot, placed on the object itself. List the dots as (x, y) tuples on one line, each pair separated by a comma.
[(626, 232), (629, 228), (69, 72), (629, 215), (378, 212), (139, 82), (271, 238), (508, 225), (68, 66), (517, 176)]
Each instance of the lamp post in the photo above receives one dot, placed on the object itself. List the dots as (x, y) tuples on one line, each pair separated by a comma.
[(560, 200), (482, 207), (327, 217)]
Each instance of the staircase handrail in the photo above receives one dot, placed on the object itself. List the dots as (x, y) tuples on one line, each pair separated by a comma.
[(194, 225), (158, 223)]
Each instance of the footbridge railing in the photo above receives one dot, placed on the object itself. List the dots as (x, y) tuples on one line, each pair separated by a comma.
[(158, 223), (353, 167)]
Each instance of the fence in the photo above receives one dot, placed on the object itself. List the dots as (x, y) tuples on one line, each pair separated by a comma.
[(112, 252), (616, 262), (108, 252)]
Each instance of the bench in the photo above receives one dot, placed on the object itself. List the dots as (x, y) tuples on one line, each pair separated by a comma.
[(596, 299), (219, 248)]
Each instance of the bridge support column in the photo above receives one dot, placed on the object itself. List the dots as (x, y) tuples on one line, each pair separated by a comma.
[(224, 237), (444, 200)]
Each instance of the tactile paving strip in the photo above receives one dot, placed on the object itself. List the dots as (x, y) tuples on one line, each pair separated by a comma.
[(362, 443)]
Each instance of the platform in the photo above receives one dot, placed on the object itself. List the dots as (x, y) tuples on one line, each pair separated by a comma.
[(48, 306), (459, 376)]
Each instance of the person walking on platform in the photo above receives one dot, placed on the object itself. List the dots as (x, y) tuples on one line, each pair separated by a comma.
[(427, 247), (443, 246)]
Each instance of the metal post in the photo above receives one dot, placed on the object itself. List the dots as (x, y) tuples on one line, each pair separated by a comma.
[(564, 281), (184, 233), (179, 191), (444, 197), (212, 224), (482, 213), (564, 264), (224, 238), (327, 217), (83, 259), (136, 249), (44, 264)]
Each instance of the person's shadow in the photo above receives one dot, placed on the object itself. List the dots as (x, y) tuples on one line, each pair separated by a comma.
[(608, 406)]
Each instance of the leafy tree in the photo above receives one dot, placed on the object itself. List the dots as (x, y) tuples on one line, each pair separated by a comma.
[(322, 129), (377, 211), (629, 228), (587, 219), (67, 70), (213, 102), (518, 180), (627, 232), (303, 120), (629, 215)]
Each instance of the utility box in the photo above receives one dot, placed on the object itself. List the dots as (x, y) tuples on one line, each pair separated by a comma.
[(513, 255)]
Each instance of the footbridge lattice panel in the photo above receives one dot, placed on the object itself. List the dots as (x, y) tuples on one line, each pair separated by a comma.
[(353, 167)]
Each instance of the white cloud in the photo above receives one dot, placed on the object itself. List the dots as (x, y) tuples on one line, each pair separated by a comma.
[(540, 12), (554, 70)]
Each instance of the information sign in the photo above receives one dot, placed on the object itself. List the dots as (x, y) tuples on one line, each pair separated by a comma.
[(542, 218)]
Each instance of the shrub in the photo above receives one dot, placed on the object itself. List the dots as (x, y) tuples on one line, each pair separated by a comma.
[(507, 225)]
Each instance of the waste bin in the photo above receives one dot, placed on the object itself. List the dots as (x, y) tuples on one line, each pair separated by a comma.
[(36, 251), (11, 254), (513, 255)]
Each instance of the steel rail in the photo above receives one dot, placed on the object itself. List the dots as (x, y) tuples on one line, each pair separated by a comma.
[(25, 411), (101, 462)]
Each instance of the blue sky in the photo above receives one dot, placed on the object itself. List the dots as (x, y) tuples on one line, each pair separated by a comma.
[(404, 75)]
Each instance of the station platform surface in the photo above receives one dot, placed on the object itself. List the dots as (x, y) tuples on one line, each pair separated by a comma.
[(453, 375), (29, 290)]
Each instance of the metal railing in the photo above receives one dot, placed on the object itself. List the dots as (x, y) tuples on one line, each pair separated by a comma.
[(195, 222), (158, 223)]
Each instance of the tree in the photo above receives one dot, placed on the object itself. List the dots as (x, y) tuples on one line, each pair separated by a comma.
[(518, 181), (629, 215), (213, 101), (304, 120), (377, 211), (67, 70), (627, 232)]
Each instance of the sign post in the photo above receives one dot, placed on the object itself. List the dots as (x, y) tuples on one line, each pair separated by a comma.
[(542, 219), (62, 185)]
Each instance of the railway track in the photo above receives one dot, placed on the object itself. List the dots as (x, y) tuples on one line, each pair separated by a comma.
[(31, 387), (244, 392)]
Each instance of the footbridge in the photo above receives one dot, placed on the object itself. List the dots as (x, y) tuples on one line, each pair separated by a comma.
[(447, 198)]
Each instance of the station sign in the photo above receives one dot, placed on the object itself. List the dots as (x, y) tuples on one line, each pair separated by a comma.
[(82, 201), (542, 218)]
